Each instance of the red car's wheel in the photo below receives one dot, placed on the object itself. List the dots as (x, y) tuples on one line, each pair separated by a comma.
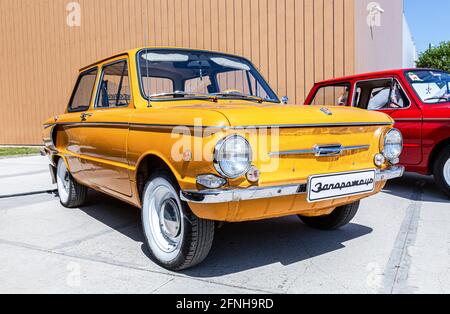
[(442, 171)]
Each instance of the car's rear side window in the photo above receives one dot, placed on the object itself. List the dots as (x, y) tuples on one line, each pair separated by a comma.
[(82, 94), (332, 95)]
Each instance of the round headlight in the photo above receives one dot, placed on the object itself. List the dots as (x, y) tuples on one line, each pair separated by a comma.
[(233, 156), (393, 145)]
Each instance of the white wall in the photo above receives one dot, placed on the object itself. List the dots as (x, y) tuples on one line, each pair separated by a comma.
[(409, 46), (382, 47)]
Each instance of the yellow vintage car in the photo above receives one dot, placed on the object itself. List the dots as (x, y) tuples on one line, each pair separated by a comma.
[(195, 137)]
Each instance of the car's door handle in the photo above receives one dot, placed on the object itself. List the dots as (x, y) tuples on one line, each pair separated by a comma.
[(84, 116)]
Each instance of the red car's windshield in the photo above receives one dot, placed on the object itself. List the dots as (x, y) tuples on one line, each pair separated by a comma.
[(433, 87)]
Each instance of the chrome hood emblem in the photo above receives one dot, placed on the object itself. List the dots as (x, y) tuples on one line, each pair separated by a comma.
[(326, 111)]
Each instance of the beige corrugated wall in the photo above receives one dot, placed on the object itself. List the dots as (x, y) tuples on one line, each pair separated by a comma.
[(293, 42)]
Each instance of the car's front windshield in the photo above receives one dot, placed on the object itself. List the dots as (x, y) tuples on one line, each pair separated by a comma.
[(175, 74), (433, 87)]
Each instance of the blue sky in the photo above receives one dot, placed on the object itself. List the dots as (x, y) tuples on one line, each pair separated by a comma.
[(428, 20)]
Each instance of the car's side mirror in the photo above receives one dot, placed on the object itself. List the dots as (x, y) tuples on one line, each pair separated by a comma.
[(285, 100)]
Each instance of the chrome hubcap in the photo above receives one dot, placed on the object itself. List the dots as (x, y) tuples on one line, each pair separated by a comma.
[(447, 172), (65, 181), (169, 217), (165, 219)]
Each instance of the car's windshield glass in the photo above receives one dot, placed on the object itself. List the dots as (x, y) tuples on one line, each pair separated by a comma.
[(167, 74), (433, 87)]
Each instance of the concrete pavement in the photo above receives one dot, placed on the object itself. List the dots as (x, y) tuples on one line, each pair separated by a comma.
[(24, 175), (398, 243)]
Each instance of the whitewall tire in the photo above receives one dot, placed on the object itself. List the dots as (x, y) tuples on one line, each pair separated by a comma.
[(442, 171), (175, 237), (71, 193)]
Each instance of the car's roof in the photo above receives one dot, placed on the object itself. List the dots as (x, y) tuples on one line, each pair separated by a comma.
[(380, 73), (134, 51)]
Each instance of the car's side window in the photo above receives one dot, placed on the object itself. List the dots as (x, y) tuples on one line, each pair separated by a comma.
[(332, 95), (82, 94), (380, 94), (114, 89), (379, 97)]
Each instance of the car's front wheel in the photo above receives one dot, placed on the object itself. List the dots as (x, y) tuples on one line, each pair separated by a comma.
[(442, 171), (176, 238), (71, 193), (340, 217)]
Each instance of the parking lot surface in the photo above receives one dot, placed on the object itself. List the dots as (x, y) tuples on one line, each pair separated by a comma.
[(398, 243)]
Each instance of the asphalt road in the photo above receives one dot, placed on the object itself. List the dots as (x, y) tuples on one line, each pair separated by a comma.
[(398, 243)]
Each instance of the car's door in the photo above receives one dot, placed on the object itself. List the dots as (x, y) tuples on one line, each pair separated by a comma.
[(103, 139), (389, 96), (70, 137)]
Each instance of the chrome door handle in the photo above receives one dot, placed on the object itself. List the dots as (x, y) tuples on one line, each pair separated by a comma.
[(84, 116)]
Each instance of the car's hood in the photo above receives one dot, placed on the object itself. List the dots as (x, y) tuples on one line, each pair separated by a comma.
[(267, 115)]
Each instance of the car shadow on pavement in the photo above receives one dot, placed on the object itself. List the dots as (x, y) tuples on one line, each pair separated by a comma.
[(115, 214), (242, 246), (417, 187), (238, 246)]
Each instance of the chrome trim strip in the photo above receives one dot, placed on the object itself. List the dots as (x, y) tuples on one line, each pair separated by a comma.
[(254, 193), (319, 150), (408, 119), (420, 119), (133, 125), (436, 119), (319, 125), (171, 126)]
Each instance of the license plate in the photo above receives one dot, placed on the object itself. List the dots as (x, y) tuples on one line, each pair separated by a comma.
[(338, 185)]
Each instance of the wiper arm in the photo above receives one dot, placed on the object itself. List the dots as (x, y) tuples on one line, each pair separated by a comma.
[(241, 96), (438, 98), (186, 95)]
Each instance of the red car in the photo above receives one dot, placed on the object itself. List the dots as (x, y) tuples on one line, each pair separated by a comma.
[(417, 99)]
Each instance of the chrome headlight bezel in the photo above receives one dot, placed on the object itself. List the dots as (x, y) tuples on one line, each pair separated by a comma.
[(218, 163), (392, 145)]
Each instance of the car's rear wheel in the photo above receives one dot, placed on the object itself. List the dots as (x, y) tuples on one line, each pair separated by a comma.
[(442, 171), (176, 238), (340, 217), (71, 193)]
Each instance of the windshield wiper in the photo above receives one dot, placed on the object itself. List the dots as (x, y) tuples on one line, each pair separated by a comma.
[(438, 98), (240, 96), (188, 96)]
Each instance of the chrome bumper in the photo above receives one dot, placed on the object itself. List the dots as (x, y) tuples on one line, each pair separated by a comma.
[(390, 173), (255, 193)]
